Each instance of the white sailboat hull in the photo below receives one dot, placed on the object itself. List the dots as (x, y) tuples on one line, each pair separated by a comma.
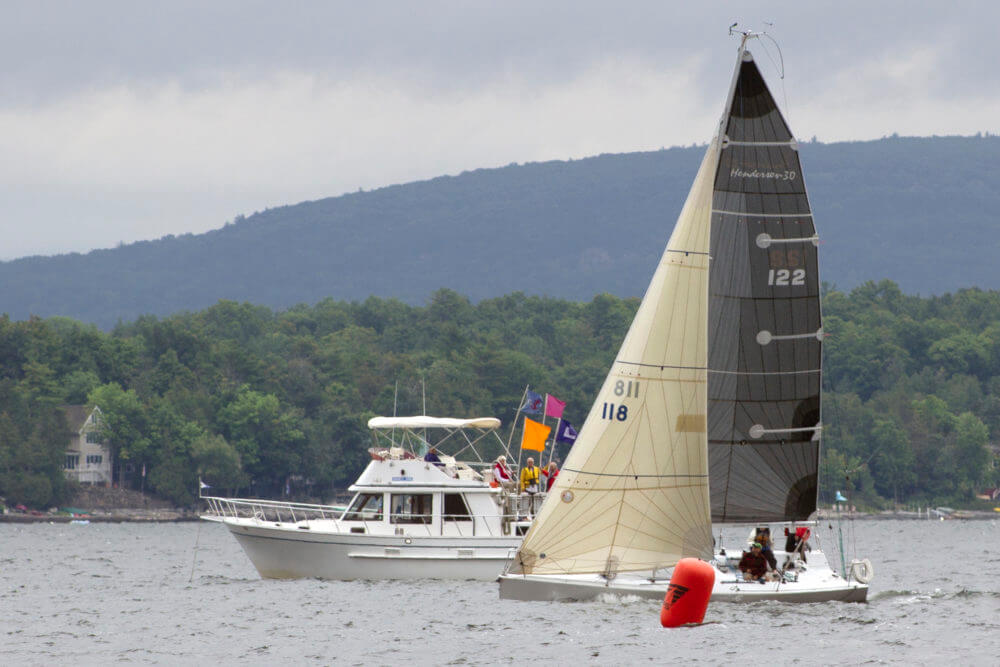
[(818, 583), (290, 552)]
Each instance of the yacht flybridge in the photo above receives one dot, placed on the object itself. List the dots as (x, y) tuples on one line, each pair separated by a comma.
[(409, 518)]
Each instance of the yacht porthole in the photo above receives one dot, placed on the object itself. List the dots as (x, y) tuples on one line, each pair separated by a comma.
[(567, 496)]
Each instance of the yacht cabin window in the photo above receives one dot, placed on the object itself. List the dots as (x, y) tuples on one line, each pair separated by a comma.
[(366, 507), (411, 508), (455, 508)]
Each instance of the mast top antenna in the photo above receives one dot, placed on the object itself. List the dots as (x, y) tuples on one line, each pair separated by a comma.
[(747, 34)]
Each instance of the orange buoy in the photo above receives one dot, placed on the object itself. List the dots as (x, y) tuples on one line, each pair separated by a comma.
[(687, 596)]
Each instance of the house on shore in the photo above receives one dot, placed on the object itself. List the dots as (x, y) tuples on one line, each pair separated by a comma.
[(88, 458)]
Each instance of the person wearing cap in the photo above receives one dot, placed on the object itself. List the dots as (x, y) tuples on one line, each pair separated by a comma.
[(754, 565)]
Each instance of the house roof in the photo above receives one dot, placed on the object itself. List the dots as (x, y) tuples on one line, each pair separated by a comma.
[(77, 415)]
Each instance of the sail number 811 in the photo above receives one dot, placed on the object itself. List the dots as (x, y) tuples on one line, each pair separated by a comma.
[(619, 412)]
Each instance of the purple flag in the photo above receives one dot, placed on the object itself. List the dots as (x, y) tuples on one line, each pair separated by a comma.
[(566, 433)]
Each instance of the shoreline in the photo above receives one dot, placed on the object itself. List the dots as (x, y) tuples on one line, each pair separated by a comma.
[(107, 516), (890, 515), (126, 515)]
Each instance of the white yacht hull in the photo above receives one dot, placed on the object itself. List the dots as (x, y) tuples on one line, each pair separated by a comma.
[(817, 583), (589, 587), (291, 552)]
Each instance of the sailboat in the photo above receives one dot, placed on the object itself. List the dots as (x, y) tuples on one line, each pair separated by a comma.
[(710, 413)]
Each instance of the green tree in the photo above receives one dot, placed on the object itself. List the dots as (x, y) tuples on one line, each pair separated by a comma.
[(217, 462), (124, 422)]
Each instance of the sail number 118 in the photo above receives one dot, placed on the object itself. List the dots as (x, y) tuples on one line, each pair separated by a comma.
[(619, 412)]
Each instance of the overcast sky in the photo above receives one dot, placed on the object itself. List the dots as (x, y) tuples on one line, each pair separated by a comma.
[(130, 120)]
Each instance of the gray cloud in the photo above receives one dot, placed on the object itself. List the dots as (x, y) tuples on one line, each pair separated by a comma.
[(134, 120)]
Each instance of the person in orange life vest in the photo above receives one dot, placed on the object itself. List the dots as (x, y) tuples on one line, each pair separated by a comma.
[(550, 472)]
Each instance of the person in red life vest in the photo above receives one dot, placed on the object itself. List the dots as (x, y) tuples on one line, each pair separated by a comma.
[(501, 475), (754, 565), (551, 472)]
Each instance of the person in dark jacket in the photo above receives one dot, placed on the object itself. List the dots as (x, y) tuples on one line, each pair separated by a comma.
[(432, 457), (764, 537), (754, 565), (797, 544)]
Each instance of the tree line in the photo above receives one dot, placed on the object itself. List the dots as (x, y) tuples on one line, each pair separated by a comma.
[(273, 404)]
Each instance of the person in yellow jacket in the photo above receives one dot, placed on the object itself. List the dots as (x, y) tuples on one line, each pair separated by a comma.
[(530, 476)]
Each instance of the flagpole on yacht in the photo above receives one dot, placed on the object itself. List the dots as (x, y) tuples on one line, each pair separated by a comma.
[(555, 436), (545, 413), (513, 425)]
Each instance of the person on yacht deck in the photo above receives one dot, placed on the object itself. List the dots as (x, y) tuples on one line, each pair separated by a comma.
[(764, 537), (530, 476), (754, 565), (550, 472), (432, 457), (797, 545), (501, 475)]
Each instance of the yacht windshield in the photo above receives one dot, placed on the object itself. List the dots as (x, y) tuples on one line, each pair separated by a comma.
[(366, 507)]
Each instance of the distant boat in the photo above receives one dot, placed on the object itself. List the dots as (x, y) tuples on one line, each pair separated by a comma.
[(711, 409), (410, 518)]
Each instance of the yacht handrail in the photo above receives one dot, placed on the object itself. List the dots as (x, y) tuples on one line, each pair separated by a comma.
[(266, 509), (276, 511)]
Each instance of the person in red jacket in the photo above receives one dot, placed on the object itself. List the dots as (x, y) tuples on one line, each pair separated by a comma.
[(551, 472)]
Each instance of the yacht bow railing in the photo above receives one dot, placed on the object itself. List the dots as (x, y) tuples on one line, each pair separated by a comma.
[(270, 510)]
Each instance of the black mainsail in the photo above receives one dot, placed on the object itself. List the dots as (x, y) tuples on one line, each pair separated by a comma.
[(765, 335)]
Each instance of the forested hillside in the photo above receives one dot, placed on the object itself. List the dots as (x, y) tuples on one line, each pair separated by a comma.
[(251, 399), (919, 211)]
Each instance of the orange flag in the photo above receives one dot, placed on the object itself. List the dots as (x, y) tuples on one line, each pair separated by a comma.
[(534, 435)]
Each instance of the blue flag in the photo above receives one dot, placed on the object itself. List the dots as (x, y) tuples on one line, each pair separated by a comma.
[(566, 433), (532, 403)]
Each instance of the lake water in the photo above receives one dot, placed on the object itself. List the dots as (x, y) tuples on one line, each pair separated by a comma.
[(141, 593)]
